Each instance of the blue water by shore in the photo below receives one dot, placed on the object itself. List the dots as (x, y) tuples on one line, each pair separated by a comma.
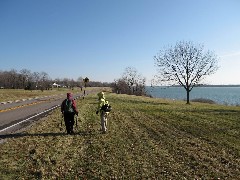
[(220, 95)]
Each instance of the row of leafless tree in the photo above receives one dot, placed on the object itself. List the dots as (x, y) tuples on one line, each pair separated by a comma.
[(25, 79), (131, 82)]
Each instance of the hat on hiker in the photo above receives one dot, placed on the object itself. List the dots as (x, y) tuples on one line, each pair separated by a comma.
[(69, 96), (101, 95)]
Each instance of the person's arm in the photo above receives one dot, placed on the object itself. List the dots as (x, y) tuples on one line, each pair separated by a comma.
[(62, 106), (100, 104)]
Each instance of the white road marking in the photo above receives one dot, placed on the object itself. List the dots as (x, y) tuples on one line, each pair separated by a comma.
[(29, 118)]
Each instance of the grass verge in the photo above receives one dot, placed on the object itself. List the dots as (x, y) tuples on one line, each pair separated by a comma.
[(18, 94), (147, 138)]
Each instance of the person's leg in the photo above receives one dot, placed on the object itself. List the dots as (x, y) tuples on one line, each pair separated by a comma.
[(71, 123), (103, 122), (67, 123)]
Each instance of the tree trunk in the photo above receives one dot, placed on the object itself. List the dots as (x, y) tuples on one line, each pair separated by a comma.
[(188, 93)]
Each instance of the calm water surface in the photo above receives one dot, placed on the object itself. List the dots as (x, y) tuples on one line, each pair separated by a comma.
[(220, 95)]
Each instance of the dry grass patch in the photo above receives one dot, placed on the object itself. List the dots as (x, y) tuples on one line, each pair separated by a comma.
[(147, 139)]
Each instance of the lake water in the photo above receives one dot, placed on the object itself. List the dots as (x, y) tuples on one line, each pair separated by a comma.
[(220, 95)]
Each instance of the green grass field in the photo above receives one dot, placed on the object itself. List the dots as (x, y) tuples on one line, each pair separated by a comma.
[(147, 139)]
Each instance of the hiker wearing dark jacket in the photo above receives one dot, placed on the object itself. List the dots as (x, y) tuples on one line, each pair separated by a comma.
[(69, 109)]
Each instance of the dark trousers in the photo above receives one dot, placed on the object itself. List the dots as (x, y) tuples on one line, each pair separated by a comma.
[(69, 122)]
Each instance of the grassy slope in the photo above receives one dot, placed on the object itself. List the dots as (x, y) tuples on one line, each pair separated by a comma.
[(147, 138)]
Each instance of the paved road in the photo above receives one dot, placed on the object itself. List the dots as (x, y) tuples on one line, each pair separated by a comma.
[(17, 115)]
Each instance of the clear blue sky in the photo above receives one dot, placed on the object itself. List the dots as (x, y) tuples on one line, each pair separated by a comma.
[(100, 38)]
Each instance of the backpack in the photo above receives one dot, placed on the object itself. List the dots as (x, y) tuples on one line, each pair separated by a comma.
[(106, 108), (68, 106)]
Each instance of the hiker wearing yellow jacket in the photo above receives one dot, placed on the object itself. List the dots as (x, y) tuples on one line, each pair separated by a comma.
[(103, 115)]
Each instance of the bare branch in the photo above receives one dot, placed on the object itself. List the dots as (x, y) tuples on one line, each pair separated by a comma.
[(185, 64)]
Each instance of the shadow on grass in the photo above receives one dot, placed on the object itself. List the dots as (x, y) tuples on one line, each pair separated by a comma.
[(216, 111), (139, 102), (19, 135)]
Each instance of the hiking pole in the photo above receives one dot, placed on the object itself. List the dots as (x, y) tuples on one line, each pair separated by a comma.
[(108, 123), (61, 123), (76, 122)]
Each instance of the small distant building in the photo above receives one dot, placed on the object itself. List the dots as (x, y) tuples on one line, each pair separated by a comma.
[(55, 85)]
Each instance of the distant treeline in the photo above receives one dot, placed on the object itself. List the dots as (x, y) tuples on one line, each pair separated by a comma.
[(220, 86), (25, 79), (130, 83), (206, 85)]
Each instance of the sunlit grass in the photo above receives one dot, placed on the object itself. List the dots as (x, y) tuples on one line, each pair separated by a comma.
[(19, 94), (147, 138)]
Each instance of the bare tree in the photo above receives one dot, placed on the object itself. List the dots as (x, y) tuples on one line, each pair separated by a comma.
[(25, 75), (185, 64), (8, 79), (80, 81), (44, 81), (36, 79), (131, 82), (13, 78), (31, 81)]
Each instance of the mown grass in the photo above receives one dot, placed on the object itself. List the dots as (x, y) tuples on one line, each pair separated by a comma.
[(18, 94), (147, 139)]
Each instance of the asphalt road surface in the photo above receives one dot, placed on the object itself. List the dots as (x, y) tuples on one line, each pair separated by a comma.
[(16, 115)]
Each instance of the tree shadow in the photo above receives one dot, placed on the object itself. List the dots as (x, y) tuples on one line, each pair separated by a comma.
[(53, 134), (18, 135), (139, 102), (217, 111)]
